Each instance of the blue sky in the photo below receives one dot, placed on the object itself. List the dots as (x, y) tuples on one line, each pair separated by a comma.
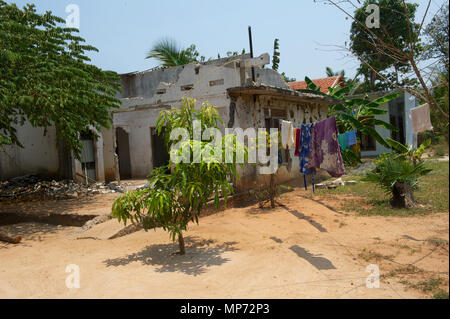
[(124, 30)]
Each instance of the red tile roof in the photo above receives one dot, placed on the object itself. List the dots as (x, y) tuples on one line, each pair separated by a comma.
[(323, 83)]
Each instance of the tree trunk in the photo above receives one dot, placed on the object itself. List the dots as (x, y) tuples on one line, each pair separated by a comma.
[(181, 244), (272, 190), (402, 196)]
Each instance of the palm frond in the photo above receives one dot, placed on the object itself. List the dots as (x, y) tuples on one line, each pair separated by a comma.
[(168, 53)]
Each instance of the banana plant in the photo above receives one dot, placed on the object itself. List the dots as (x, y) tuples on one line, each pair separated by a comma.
[(355, 113), (414, 154)]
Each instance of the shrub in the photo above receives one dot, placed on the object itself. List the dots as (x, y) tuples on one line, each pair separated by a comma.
[(398, 175)]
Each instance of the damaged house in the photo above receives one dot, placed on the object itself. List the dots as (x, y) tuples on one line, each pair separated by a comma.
[(245, 93)]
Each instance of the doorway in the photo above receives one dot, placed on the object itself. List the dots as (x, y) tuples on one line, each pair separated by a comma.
[(123, 152), (160, 153), (88, 155), (396, 118)]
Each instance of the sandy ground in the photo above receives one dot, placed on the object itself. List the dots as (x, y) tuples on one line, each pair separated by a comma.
[(299, 250)]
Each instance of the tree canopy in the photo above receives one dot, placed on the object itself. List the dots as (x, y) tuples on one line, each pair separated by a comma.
[(437, 37), (46, 78), (396, 30)]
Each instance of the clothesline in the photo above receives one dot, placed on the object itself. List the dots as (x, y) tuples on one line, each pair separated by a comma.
[(317, 146)]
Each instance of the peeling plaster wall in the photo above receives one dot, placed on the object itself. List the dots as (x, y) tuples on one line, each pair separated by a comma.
[(146, 94), (38, 156), (137, 124), (108, 153), (250, 112)]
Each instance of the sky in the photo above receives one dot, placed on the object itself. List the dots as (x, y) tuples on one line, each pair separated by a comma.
[(124, 30)]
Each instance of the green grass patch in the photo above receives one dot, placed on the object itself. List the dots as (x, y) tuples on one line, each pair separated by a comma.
[(441, 294), (429, 285), (439, 147), (369, 199), (368, 255)]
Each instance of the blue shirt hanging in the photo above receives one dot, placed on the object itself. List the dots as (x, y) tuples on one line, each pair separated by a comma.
[(305, 140), (350, 138)]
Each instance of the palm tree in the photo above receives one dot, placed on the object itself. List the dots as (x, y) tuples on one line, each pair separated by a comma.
[(331, 73), (348, 82), (169, 53)]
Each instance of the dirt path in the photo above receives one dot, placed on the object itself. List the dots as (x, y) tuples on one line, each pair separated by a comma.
[(299, 250)]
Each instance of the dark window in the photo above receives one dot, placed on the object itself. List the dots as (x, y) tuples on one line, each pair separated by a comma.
[(368, 142), (160, 153), (276, 123)]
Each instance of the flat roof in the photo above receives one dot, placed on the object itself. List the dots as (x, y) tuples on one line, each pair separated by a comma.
[(287, 94)]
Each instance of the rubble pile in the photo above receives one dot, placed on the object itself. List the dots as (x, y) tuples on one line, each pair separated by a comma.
[(31, 187), (334, 184), (362, 168)]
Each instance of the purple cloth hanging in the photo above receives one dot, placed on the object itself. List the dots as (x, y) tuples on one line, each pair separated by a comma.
[(325, 152)]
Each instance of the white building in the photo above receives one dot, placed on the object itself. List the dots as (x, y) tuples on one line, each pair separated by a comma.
[(131, 149), (398, 114)]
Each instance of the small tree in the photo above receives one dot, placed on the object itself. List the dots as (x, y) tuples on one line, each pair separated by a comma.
[(268, 194), (398, 173), (177, 197)]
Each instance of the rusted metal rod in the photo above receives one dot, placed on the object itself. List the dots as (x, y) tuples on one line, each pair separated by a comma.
[(251, 50)]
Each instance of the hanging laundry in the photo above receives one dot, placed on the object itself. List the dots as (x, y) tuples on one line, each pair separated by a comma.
[(350, 139), (420, 118), (287, 134), (304, 149), (342, 138), (297, 141), (324, 149), (305, 141)]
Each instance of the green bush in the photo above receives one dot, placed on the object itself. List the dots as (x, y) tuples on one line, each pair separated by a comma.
[(392, 168)]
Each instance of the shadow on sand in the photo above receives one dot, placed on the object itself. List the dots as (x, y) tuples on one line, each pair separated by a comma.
[(200, 255), (320, 263)]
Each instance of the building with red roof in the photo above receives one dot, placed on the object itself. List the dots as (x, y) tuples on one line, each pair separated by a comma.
[(323, 83)]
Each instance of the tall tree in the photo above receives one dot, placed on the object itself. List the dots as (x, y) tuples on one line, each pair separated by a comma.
[(354, 83), (437, 37), (403, 51), (329, 71), (46, 78), (395, 30)]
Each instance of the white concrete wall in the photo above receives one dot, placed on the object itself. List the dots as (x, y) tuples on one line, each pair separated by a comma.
[(108, 153), (141, 103), (383, 132), (137, 124), (410, 137), (252, 114), (39, 155)]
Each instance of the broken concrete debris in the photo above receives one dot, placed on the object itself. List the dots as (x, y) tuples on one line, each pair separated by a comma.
[(334, 184), (33, 187)]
